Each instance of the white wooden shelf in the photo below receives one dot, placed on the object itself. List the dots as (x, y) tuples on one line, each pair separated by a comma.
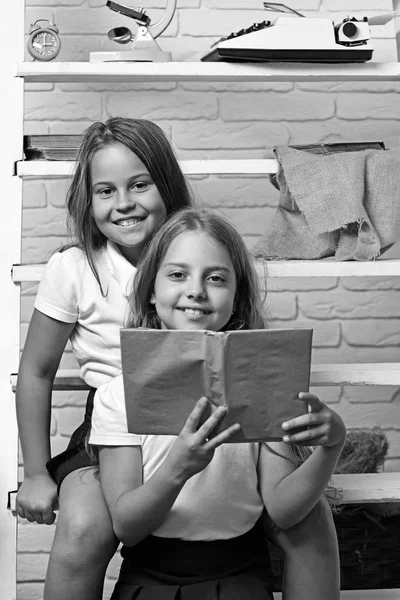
[(62, 168), (65, 379), (355, 374), (87, 72), (328, 267), (321, 375), (291, 268), (360, 488), (367, 488)]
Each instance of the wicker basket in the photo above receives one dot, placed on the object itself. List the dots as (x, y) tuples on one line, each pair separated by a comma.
[(369, 547), (369, 542)]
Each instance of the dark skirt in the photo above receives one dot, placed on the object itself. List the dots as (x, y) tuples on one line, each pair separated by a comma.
[(76, 455), (173, 569)]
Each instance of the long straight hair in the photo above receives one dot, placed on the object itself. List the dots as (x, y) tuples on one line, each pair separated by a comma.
[(149, 143), (248, 310)]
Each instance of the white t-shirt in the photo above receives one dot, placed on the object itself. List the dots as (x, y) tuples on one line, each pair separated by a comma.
[(221, 502), (69, 292)]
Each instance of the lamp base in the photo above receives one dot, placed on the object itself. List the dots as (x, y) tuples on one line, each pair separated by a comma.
[(145, 55)]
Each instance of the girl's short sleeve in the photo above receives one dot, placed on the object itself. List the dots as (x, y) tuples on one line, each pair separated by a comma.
[(57, 295), (109, 423)]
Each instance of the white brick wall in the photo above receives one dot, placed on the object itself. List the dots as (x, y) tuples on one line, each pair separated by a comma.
[(354, 319)]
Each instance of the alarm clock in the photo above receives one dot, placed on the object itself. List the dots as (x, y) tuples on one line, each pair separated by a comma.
[(44, 42)]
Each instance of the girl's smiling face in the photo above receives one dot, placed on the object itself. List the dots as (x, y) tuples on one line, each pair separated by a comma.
[(195, 285), (126, 204)]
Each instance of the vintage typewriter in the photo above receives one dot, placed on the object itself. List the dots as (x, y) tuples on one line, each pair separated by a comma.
[(295, 38)]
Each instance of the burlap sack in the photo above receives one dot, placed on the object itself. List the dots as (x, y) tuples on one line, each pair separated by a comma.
[(343, 204)]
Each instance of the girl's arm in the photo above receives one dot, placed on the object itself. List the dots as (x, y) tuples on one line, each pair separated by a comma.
[(42, 353), (290, 493), (138, 509)]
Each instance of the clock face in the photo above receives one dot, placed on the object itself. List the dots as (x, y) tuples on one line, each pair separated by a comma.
[(44, 44)]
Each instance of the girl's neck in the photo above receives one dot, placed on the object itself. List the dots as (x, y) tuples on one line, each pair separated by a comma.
[(132, 255)]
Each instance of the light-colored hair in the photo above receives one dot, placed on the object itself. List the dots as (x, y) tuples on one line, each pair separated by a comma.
[(248, 307), (248, 310), (149, 143)]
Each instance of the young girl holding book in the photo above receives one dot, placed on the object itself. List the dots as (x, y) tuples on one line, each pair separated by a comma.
[(186, 507)]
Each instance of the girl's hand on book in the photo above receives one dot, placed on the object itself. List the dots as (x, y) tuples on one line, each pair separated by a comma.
[(321, 426), (194, 448)]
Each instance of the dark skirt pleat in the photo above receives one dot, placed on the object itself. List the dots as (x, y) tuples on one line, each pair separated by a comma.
[(172, 569)]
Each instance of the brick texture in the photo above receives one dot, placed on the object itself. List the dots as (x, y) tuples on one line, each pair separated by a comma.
[(354, 319)]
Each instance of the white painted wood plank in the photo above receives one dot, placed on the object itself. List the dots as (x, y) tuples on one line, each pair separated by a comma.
[(199, 71), (62, 168), (360, 488), (328, 267), (367, 488), (321, 375), (45, 168), (262, 166), (355, 374), (65, 379), (25, 273), (292, 268)]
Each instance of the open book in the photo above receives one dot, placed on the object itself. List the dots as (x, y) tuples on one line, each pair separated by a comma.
[(257, 374)]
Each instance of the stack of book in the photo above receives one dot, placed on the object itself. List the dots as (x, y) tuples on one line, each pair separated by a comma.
[(51, 147)]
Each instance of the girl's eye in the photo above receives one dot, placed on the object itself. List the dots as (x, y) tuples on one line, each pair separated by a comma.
[(105, 192), (177, 275), (140, 186), (216, 279)]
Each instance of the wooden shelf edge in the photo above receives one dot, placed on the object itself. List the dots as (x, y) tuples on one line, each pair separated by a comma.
[(64, 168), (276, 269), (65, 380), (355, 374), (321, 375), (367, 488), (87, 72), (327, 268)]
